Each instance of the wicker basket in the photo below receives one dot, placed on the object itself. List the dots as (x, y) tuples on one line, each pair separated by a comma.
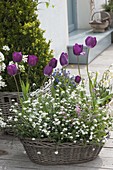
[(48, 153), (7, 99), (5, 104), (102, 24)]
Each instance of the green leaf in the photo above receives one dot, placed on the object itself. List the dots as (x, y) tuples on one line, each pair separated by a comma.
[(105, 99), (25, 89), (47, 4), (95, 80)]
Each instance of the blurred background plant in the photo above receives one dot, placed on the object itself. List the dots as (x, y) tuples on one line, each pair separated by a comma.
[(108, 6)]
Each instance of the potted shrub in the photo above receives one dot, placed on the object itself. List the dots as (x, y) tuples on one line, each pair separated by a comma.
[(69, 123), (108, 6)]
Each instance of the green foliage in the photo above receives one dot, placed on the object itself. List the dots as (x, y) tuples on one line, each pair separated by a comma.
[(109, 6), (20, 30)]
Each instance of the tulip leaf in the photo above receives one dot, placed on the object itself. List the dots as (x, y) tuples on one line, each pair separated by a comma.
[(104, 100), (25, 89)]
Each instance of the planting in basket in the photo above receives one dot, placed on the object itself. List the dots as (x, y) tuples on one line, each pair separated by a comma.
[(14, 70), (15, 67), (70, 123), (30, 40)]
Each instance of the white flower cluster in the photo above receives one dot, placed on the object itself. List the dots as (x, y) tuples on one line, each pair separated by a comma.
[(1, 57), (103, 88), (24, 59), (62, 116), (6, 48), (21, 68), (2, 82), (107, 79), (2, 123), (2, 68)]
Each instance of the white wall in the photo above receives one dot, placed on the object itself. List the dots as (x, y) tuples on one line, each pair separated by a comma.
[(83, 10), (98, 4), (54, 21), (84, 13)]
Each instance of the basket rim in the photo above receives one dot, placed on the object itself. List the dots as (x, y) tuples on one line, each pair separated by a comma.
[(59, 143)]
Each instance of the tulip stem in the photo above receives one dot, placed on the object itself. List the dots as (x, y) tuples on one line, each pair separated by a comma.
[(88, 73), (90, 82), (44, 80), (87, 64), (78, 65), (17, 88), (51, 80), (28, 73)]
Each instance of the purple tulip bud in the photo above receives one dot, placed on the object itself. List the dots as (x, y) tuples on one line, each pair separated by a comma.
[(64, 59), (53, 62), (32, 60), (77, 49), (48, 70), (17, 56), (12, 69), (90, 41), (77, 79)]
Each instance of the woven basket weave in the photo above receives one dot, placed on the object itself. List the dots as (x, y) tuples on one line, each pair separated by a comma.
[(48, 153), (6, 101)]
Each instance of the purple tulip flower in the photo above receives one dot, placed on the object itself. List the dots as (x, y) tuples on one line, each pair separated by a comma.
[(64, 59), (77, 79), (12, 69), (32, 60), (48, 70), (77, 49), (90, 41), (53, 62), (17, 56)]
